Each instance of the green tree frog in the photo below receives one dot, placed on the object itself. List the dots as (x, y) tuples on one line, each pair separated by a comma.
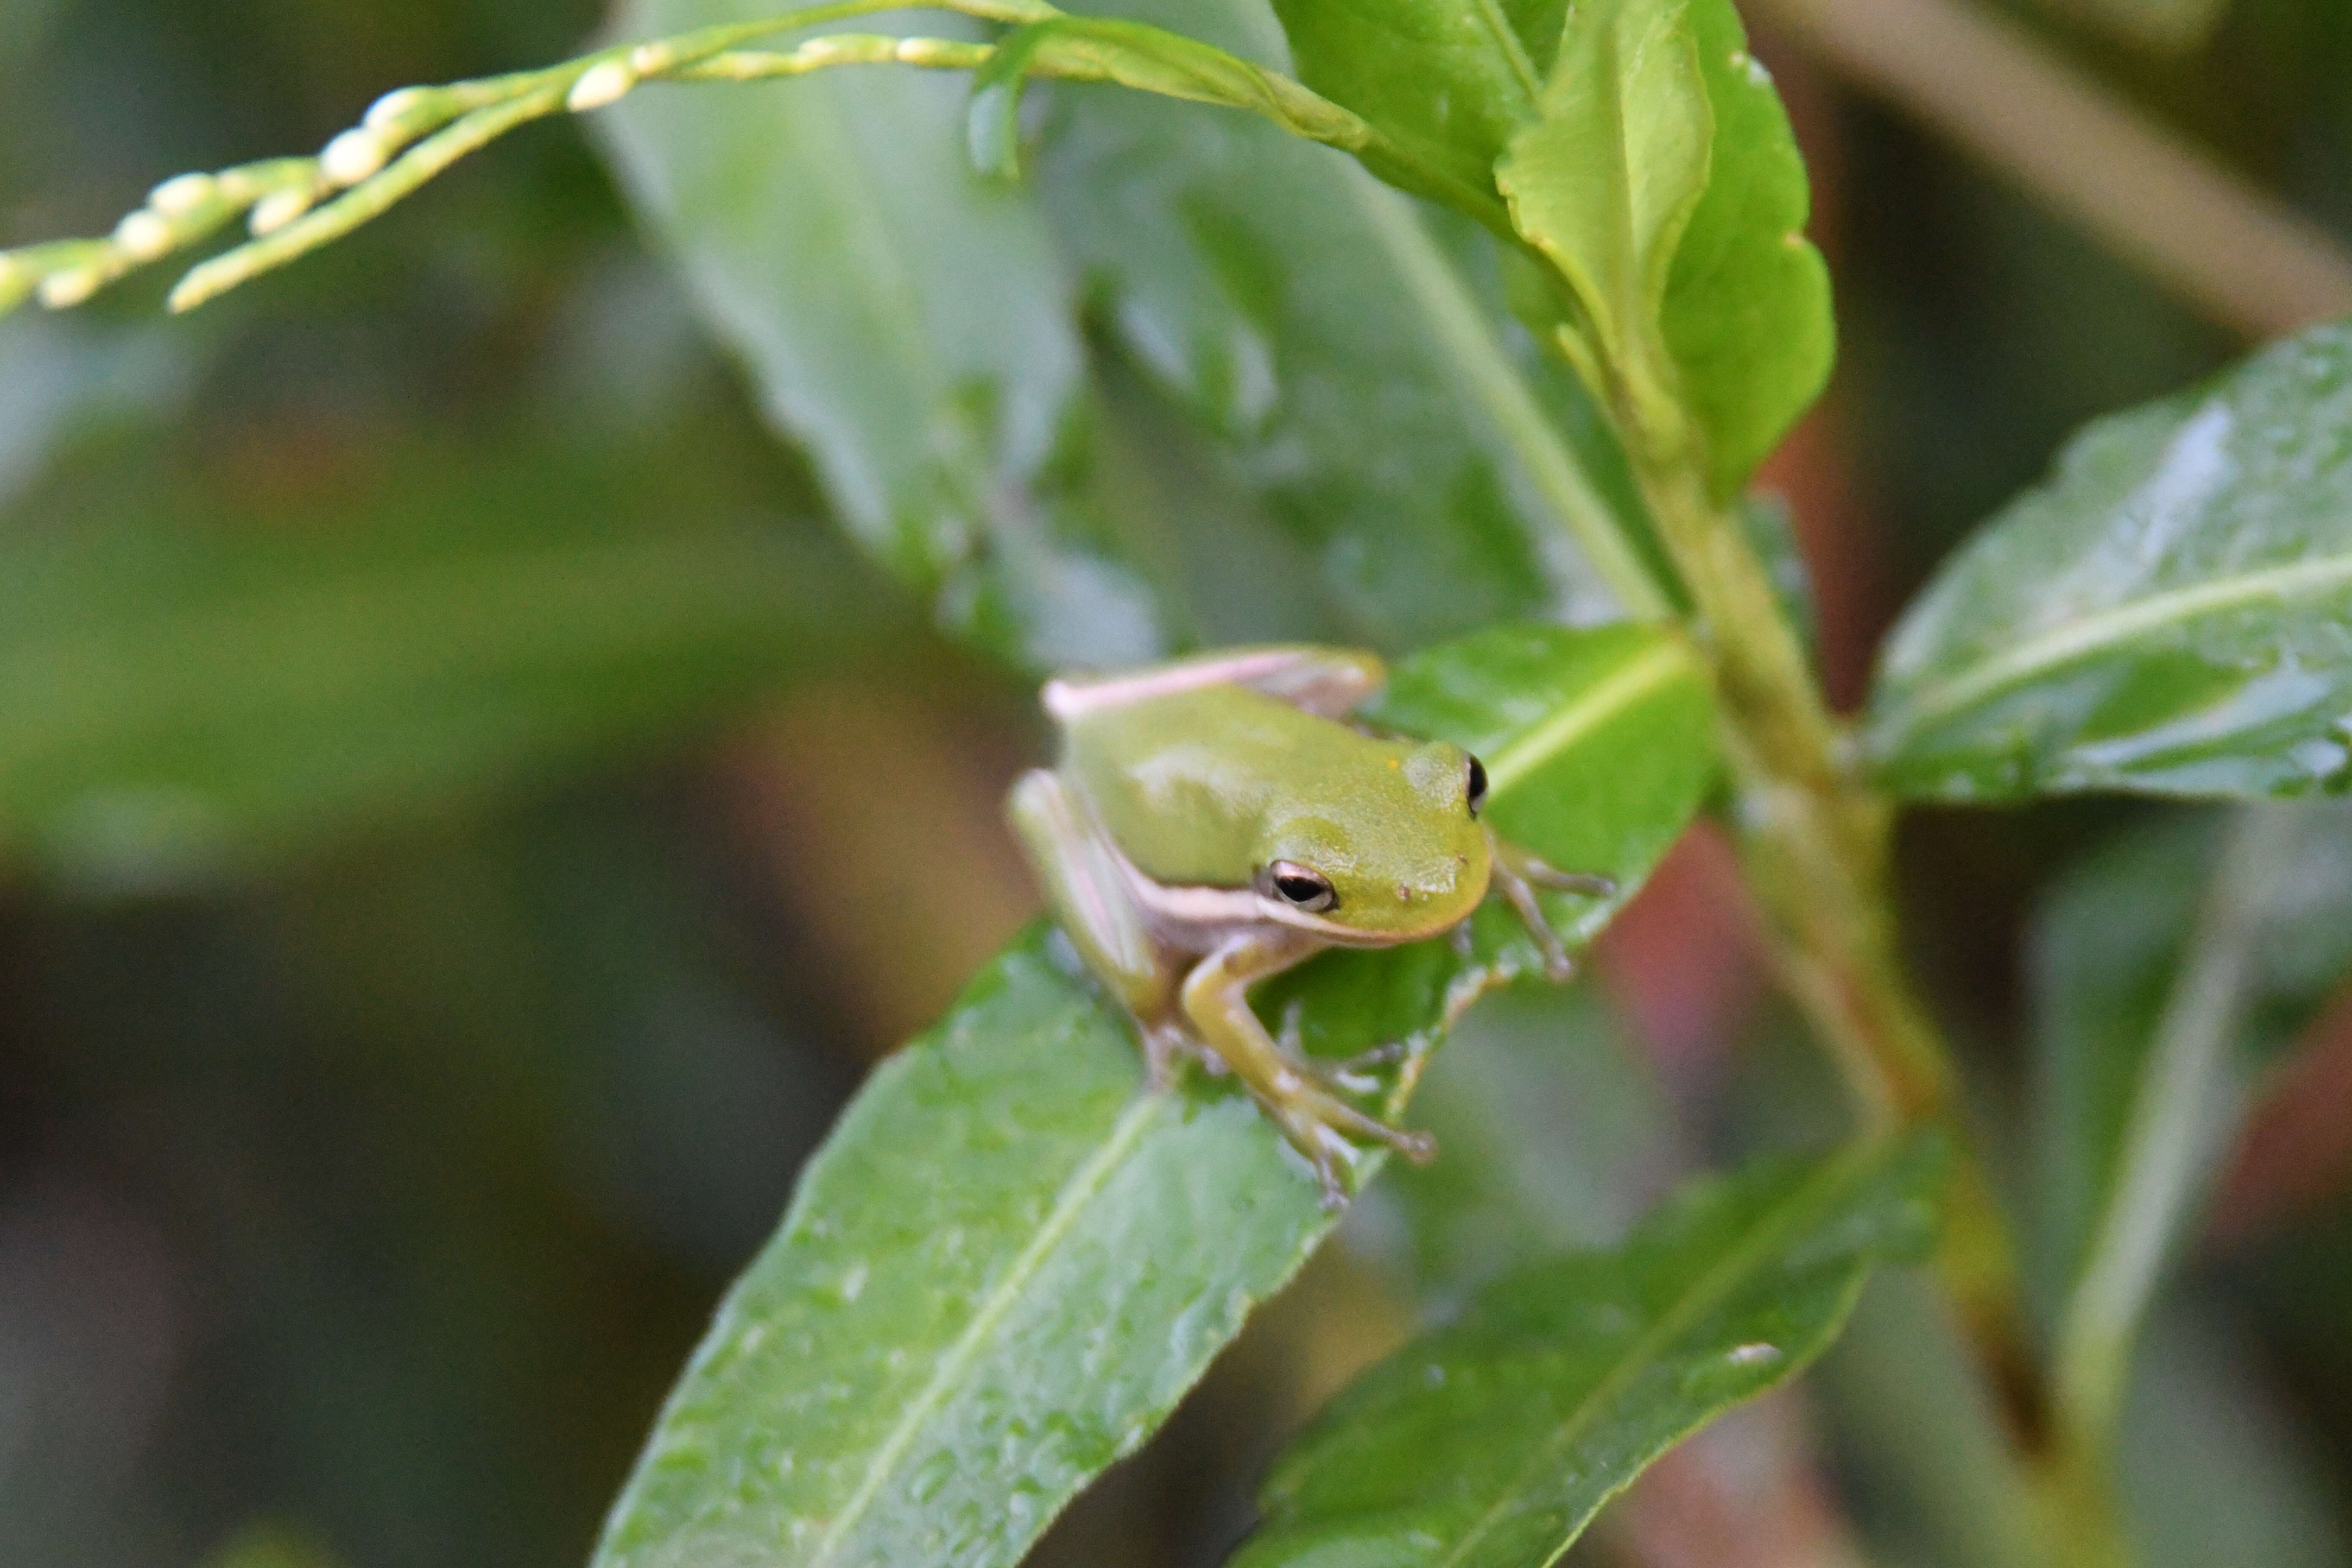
[(1215, 821)]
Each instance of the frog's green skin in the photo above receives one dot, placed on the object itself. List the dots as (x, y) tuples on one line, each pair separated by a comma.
[(1212, 822)]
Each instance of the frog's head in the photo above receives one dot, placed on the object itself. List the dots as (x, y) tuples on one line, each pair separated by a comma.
[(1397, 855)]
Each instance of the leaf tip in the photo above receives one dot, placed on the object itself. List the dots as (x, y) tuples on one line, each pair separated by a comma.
[(992, 129)]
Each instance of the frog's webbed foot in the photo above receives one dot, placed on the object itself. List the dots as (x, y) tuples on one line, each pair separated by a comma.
[(1333, 1156), (1518, 874), (1296, 1091), (1318, 1123)]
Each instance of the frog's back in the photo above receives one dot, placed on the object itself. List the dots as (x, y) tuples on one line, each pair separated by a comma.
[(1189, 783)]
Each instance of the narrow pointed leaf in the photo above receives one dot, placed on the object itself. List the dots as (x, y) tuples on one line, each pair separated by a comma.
[(1641, 149), (2170, 969), (907, 320), (1494, 1441), (1747, 311), (914, 327), (1557, 1136), (992, 121), (1344, 360), (2167, 614), (1007, 1263), (1605, 181)]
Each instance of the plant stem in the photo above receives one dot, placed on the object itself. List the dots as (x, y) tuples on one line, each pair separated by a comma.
[(1815, 840)]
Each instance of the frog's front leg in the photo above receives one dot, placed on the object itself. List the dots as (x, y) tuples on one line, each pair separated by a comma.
[(1318, 1123), (1518, 874), (1088, 891)]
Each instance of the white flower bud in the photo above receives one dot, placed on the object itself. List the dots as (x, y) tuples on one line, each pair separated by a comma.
[(279, 209), (144, 235), (607, 81), (62, 291), (652, 59), (392, 108), (352, 156), (179, 196)]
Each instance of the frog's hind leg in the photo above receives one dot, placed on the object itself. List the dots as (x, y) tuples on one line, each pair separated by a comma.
[(1326, 682), (1088, 891), (1348, 1073), (1317, 1122)]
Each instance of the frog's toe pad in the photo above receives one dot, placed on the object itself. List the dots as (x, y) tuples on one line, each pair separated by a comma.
[(1418, 1147)]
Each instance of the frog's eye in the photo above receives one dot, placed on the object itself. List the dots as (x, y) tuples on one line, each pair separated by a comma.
[(1300, 887), (1477, 787)]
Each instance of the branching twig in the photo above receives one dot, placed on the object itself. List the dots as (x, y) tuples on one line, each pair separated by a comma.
[(412, 134)]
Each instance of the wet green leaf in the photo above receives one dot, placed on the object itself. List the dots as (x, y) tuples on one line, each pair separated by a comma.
[(1348, 361), (1642, 149), (998, 1274), (1746, 310), (1605, 181), (2165, 615), (915, 326), (1006, 1265), (2169, 969), (1450, 83), (196, 690), (1497, 1438), (907, 320), (1557, 1136)]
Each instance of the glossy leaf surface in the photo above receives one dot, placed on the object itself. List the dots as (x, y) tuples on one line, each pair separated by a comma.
[(1557, 1137), (2170, 613), (1006, 1264), (1497, 1438), (915, 325), (1347, 364), (1605, 181), (1645, 153), (908, 322), (2169, 969), (1747, 311), (1450, 81)]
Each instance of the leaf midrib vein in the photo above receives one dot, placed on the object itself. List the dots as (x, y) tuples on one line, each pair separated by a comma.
[(2088, 636), (1077, 1191), (1507, 39), (1463, 336), (1713, 1284), (1599, 702)]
